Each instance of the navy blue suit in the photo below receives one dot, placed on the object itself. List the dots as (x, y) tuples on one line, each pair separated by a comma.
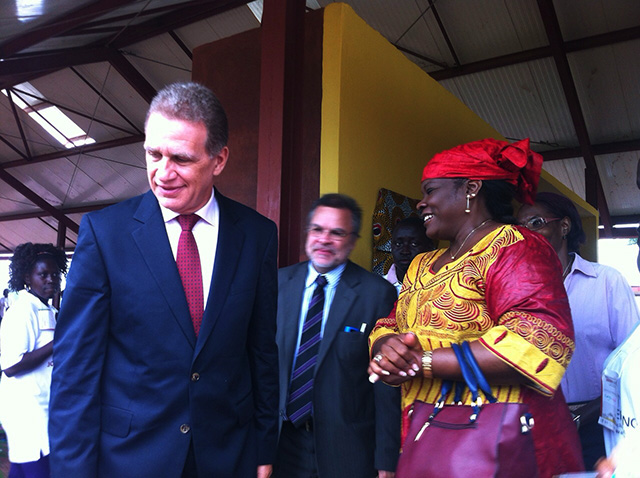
[(133, 388)]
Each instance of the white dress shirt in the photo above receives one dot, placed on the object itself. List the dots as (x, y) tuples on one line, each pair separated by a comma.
[(333, 278), (604, 312), (205, 232)]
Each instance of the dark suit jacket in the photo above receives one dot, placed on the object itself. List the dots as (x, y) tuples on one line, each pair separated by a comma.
[(132, 386), (356, 424)]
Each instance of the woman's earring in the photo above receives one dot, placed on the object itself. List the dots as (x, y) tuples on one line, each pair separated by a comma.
[(469, 196)]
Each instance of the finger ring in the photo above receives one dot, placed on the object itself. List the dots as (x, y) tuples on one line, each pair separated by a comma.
[(377, 358)]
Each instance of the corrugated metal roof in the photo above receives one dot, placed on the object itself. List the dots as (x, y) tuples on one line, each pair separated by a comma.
[(521, 95)]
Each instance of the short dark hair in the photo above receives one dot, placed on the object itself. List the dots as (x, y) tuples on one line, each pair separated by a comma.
[(195, 103), (559, 206), (25, 257), (416, 223), (339, 201), (411, 221)]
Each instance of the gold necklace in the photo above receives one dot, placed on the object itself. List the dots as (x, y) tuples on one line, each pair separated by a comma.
[(453, 256)]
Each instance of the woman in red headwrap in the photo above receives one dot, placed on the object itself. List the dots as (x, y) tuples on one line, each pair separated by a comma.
[(497, 285)]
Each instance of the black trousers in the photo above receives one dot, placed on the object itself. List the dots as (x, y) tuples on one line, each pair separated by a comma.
[(296, 457), (592, 441)]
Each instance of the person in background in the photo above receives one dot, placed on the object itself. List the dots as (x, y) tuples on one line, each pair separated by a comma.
[(4, 303), (497, 286), (165, 350), (26, 340), (334, 422), (620, 415), (408, 239), (603, 309)]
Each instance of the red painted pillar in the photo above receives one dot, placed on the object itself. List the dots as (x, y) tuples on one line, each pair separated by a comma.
[(281, 122)]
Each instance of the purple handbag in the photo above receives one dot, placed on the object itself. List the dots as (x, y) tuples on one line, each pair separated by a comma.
[(460, 441)]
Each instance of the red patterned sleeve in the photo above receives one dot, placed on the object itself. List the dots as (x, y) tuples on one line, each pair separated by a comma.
[(527, 299)]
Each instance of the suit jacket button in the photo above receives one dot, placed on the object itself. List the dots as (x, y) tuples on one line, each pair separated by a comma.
[(195, 377), (185, 428)]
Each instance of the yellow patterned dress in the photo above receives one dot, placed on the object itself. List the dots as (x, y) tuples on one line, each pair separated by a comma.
[(506, 292)]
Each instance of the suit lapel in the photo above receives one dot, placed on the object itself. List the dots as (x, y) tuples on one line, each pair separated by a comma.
[(230, 243), (290, 303), (151, 239), (343, 299)]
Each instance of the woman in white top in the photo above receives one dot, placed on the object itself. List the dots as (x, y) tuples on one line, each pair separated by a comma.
[(26, 341)]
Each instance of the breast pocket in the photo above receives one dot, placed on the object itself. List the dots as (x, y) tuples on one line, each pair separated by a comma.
[(352, 347), (46, 320)]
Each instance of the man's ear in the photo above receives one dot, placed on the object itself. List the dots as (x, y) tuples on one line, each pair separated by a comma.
[(220, 160)]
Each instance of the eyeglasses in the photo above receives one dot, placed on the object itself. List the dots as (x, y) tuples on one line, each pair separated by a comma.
[(537, 222), (334, 234)]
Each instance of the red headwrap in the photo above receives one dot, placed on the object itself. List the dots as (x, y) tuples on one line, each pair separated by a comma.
[(490, 159)]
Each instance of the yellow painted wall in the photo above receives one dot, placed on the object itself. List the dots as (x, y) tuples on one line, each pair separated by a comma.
[(382, 118)]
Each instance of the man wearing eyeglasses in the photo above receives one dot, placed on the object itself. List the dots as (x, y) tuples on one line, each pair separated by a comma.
[(333, 422)]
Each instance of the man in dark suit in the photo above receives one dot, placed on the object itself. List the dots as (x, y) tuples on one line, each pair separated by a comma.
[(334, 422), (165, 357)]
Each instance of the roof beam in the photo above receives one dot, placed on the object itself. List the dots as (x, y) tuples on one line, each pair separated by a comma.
[(26, 67), (8, 143), (181, 44), (18, 93), (66, 153), (14, 110), (105, 100), (626, 219), (537, 53), (132, 76), (492, 63), (619, 233), (189, 12), (40, 214), (443, 31), (37, 200), (422, 57), (39, 64), (58, 25), (594, 191), (598, 150)]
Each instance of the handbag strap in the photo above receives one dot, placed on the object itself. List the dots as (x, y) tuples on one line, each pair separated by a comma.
[(471, 374), (482, 381), (471, 381)]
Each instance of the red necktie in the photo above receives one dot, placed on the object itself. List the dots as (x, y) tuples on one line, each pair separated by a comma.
[(188, 261)]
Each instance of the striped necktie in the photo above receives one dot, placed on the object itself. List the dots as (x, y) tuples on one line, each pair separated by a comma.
[(301, 391)]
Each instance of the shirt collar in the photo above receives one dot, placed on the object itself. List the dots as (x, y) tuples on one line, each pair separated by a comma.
[(581, 265), (207, 212), (333, 276)]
